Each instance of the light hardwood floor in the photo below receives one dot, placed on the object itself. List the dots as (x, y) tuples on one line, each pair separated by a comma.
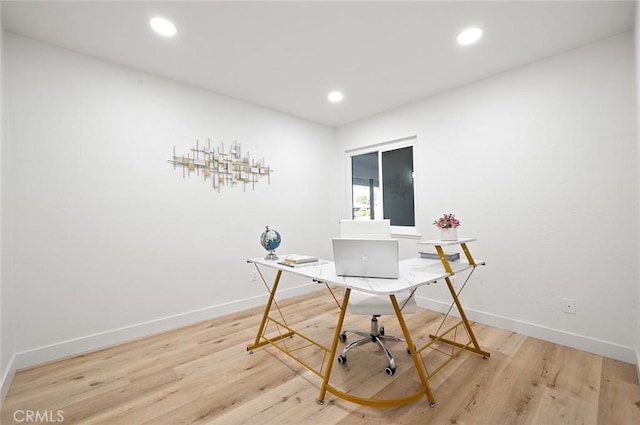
[(202, 374)]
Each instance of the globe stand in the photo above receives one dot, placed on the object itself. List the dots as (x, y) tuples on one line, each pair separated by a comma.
[(271, 256)]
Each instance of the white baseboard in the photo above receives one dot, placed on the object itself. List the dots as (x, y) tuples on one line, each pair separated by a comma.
[(581, 342), (638, 363), (5, 383), (116, 336)]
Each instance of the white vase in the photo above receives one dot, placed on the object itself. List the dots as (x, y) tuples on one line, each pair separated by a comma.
[(449, 234)]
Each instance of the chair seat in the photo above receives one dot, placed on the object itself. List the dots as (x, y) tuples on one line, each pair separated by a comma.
[(363, 303)]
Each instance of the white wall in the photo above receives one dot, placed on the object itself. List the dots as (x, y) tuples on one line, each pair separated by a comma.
[(107, 241), (540, 164)]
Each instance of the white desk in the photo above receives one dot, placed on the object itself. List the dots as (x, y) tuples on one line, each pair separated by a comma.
[(414, 273)]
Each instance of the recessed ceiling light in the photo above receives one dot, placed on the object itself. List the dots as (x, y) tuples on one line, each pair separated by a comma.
[(336, 96), (163, 27), (469, 36)]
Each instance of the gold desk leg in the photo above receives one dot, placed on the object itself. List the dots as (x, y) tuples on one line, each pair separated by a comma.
[(257, 343), (476, 347), (416, 359), (467, 253), (443, 258), (334, 346)]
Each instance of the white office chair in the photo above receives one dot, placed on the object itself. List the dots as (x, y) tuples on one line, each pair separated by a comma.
[(369, 304)]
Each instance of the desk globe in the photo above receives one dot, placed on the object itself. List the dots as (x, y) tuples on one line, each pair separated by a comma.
[(270, 240)]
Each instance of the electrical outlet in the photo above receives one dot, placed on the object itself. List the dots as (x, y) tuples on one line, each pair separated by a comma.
[(569, 305), (254, 275)]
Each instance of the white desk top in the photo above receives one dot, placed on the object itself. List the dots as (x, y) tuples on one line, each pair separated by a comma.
[(414, 272)]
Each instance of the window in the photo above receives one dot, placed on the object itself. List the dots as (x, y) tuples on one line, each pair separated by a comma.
[(382, 183)]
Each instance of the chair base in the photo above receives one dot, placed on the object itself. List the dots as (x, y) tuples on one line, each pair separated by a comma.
[(376, 336)]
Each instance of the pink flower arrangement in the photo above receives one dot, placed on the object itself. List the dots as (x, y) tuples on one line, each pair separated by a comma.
[(447, 221)]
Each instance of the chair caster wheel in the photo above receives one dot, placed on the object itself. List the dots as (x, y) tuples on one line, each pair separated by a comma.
[(381, 330), (343, 337), (342, 359), (390, 371)]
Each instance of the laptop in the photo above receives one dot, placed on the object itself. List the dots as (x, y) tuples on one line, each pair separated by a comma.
[(366, 257)]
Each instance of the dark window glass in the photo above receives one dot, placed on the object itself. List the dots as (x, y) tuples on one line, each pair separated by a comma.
[(397, 186), (394, 198)]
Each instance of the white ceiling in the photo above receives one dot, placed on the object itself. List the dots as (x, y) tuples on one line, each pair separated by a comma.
[(288, 55)]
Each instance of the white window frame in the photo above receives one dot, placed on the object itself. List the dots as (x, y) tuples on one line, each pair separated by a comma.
[(411, 141)]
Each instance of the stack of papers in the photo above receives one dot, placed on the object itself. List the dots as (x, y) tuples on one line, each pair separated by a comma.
[(299, 259), (295, 260)]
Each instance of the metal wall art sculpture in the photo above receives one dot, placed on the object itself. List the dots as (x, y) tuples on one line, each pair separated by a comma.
[(224, 168)]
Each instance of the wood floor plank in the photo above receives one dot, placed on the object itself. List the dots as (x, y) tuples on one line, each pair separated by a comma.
[(558, 407), (103, 405), (202, 374), (569, 392), (619, 397)]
